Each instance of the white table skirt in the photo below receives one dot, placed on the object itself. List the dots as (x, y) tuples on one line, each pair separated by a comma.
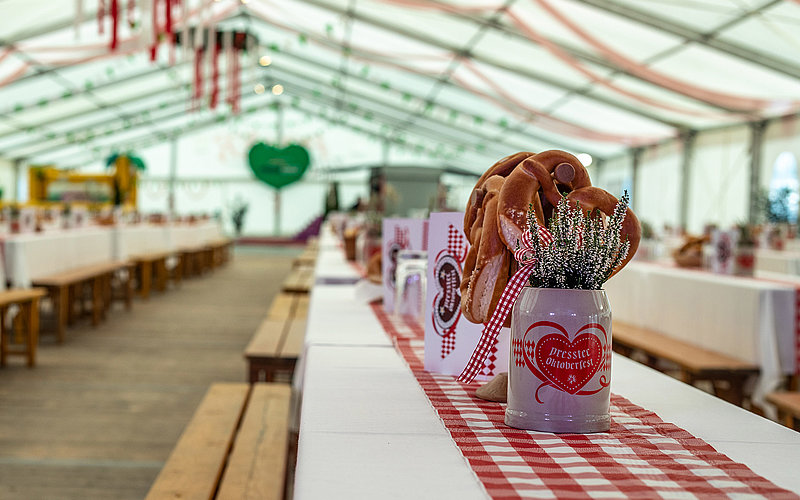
[(33, 255), (192, 235), (753, 320)]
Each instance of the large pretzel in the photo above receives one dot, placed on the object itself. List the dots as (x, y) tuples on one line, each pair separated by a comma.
[(551, 172), (502, 168), (486, 269), (496, 217)]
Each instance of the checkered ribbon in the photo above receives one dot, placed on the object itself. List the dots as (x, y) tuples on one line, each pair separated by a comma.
[(640, 457), (526, 259)]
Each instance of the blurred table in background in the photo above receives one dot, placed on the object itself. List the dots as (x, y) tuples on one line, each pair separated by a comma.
[(749, 319)]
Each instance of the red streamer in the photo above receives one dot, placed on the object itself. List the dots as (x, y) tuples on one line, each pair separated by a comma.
[(101, 14), (156, 32), (114, 24), (215, 78), (720, 99), (198, 73)]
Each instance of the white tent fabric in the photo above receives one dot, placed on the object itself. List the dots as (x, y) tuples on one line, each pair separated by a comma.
[(436, 83)]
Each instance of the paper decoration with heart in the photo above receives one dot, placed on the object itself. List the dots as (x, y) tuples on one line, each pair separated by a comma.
[(397, 234), (449, 337), (278, 167)]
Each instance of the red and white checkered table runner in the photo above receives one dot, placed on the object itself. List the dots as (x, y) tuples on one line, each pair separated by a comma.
[(641, 456)]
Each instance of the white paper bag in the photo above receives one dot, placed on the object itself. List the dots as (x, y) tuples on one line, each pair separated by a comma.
[(449, 337), (398, 234)]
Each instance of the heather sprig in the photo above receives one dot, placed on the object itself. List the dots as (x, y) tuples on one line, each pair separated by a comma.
[(585, 248)]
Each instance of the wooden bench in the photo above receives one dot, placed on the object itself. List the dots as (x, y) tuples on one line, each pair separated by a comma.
[(195, 261), (234, 447), (28, 302), (299, 280), (220, 251), (309, 255), (278, 342), (152, 272), (788, 404), (727, 374), (66, 290)]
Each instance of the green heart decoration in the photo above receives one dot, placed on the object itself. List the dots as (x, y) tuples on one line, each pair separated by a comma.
[(278, 167)]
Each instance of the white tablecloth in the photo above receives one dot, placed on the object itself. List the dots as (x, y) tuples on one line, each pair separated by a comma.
[(33, 255), (750, 319), (368, 431), (140, 239), (193, 235), (778, 261)]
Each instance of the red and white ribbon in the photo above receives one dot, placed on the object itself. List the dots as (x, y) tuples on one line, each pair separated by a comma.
[(524, 256)]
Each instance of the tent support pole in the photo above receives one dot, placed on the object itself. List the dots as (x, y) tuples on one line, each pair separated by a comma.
[(173, 171), (636, 159), (756, 146), (688, 138), (17, 175)]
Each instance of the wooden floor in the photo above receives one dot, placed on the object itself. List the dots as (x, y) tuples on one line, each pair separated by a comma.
[(99, 414)]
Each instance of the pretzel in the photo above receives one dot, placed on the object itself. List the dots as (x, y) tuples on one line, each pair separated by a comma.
[(496, 218), (489, 277), (551, 172), (592, 198), (502, 168)]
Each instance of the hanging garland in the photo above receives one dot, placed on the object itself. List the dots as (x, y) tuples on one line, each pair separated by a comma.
[(208, 45)]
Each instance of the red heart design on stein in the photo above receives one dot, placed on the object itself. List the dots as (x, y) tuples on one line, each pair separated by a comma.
[(569, 365)]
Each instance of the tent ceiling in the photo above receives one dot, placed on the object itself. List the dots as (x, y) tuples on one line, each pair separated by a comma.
[(455, 79)]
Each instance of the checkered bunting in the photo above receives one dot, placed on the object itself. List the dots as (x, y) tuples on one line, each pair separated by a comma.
[(640, 457)]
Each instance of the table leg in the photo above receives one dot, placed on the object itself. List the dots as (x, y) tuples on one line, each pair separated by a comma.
[(161, 274), (61, 303)]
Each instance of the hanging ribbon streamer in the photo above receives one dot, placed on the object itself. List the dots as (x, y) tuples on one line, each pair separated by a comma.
[(236, 82), (523, 255), (114, 24), (156, 31), (168, 29), (214, 74), (185, 30), (101, 14), (227, 47), (198, 75)]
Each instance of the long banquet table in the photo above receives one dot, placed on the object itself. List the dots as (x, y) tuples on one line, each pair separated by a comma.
[(33, 255), (368, 430), (750, 319)]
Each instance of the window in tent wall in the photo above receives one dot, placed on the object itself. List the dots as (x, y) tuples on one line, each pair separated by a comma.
[(784, 183)]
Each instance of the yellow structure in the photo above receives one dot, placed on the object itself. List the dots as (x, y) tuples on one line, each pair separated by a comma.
[(48, 185)]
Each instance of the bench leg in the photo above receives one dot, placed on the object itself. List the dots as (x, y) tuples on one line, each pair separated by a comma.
[(61, 303), (97, 300), (145, 275), (32, 325)]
